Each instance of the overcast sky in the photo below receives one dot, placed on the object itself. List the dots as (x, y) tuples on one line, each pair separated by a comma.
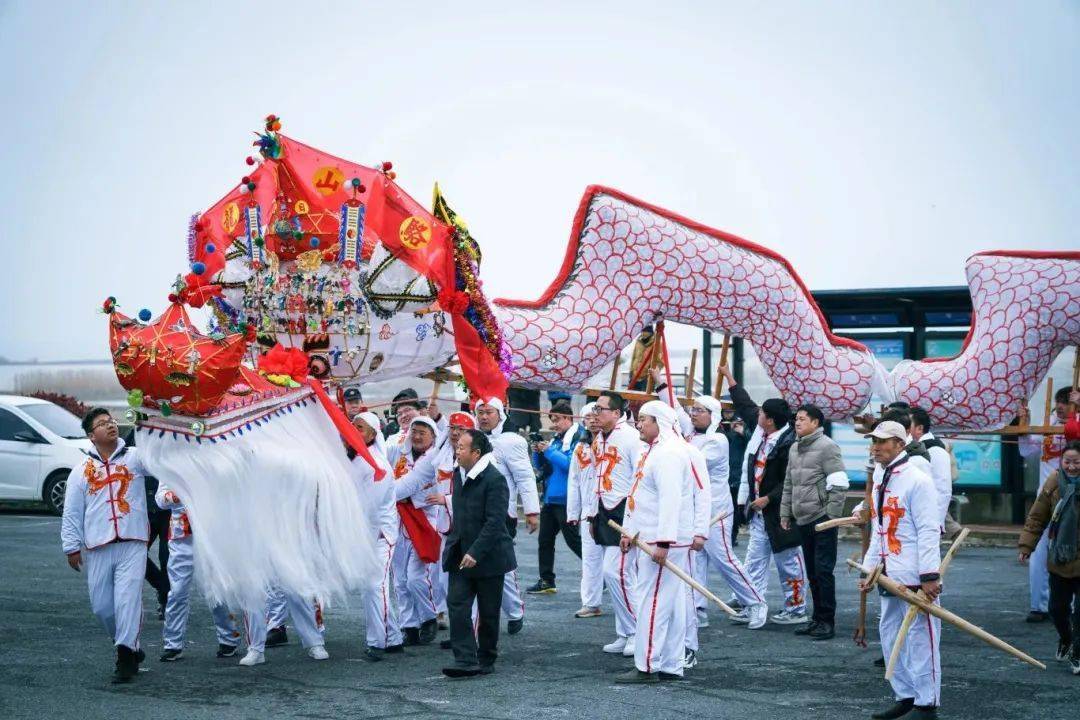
[(873, 144)]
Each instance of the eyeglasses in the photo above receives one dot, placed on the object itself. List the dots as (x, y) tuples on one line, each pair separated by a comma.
[(696, 410), (106, 423)]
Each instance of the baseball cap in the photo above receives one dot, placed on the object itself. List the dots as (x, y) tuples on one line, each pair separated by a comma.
[(889, 429), (352, 394)]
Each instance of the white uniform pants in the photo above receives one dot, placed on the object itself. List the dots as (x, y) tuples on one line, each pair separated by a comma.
[(414, 583), (592, 569), (181, 569), (277, 610), (1039, 576), (721, 556), (304, 617), (513, 605), (114, 575), (918, 669), (789, 566), (619, 573), (698, 568), (661, 600), (380, 610), (694, 559)]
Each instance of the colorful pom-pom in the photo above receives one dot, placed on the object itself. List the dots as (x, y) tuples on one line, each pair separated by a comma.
[(211, 248), (387, 166), (198, 268), (173, 298), (166, 409), (145, 315), (356, 182), (314, 242), (244, 189), (259, 242), (392, 175), (251, 187), (245, 180), (249, 160), (135, 398)]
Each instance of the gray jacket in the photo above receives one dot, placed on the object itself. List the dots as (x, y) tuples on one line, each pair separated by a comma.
[(815, 482)]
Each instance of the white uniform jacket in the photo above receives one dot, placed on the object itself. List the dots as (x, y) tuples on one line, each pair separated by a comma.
[(179, 524), (904, 534), (941, 474), (615, 460), (377, 497), (660, 504), (701, 492), (511, 457), (105, 501), (580, 484)]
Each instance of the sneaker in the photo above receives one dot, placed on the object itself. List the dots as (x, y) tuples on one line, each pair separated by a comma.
[(373, 654), (1064, 651), (253, 657), (394, 649), (443, 622), (628, 649), (1074, 663), (787, 617), (276, 636), (318, 652), (758, 615), (171, 655), (616, 647), (410, 636), (513, 627), (702, 618), (734, 604), (742, 617), (227, 651), (428, 630), (689, 659), (636, 677), (127, 667), (587, 612), (1036, 616), (542, 587)]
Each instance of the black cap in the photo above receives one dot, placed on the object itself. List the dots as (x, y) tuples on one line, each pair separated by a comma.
[(352, 394)]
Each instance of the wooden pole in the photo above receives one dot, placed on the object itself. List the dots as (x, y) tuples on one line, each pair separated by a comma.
[(837, 522), (615, 372), (692, 375), (719, 389), (953, 619), (859, 636), (913, 611), (1076, 377), (675, 569), (1049, 399)]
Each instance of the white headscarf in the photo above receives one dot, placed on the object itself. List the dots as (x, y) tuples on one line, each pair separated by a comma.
[(498, 405), (372, 420), (716, 411), (665, 417), (425, 421)]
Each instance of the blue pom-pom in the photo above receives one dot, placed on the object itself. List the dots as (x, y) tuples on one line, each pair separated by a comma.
[(198, 268), (314, 242), (356, 182), (211, 248), (145, 315)]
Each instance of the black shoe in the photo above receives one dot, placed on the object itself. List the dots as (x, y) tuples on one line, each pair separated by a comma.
[(139, 656), (899, 709), (1074, 661), (668, 677), (487, 669), (373, 654), (461, 672), (127, 666), (542, 587), (394, 649), (925, 712), (513, 627), (807, 629), (277, 636), (161, 610), (171, 655), (428, 630), (824, 631), (227, 651), (410, 636), (446, 645), (1036, 616), (880, 662), (636, 677)]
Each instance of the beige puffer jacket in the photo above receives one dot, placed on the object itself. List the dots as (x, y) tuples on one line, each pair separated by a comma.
[(815, 483)]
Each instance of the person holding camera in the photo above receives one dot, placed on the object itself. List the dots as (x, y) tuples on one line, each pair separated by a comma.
[(553, 458)]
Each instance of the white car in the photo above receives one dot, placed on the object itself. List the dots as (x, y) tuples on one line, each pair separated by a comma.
[(40, 442)]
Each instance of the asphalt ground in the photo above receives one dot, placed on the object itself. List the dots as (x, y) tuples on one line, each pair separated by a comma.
[(55, 660)]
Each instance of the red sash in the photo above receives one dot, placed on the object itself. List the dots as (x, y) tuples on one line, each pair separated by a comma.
[(424, 537)]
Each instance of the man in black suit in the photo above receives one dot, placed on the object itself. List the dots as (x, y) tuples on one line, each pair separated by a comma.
[(478, 553)]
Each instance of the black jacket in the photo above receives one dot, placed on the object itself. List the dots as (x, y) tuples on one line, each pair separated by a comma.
[(479, 525), (772, 483)]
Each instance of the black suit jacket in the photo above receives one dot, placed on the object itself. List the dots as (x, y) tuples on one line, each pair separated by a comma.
[(479, 525)]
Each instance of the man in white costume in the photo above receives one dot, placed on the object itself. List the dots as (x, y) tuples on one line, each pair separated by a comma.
[(105, 528), (580, 497)]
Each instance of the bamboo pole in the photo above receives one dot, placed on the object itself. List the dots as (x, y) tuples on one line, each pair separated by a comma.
[(859, 635), (837, 522), (953, 619), (675, 569), (1049, 399), (615, 372), (691, 375), (719, 389), (913, 611)]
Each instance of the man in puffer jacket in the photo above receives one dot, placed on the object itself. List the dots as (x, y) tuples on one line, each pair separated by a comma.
[(814, 488)]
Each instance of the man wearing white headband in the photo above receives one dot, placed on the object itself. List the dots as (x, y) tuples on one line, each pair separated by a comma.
[(511, 457), (416, 580), (580, 495), (701, 427), (379, 502), (660, 510)]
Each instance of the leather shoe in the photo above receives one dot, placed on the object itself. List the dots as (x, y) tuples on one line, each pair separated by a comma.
[(410, 636), (458, 671), (428, 630), (636, 677), (487, 669), (925, 712), (807, 629), (824, 631), (899, 709), (513, 627)]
